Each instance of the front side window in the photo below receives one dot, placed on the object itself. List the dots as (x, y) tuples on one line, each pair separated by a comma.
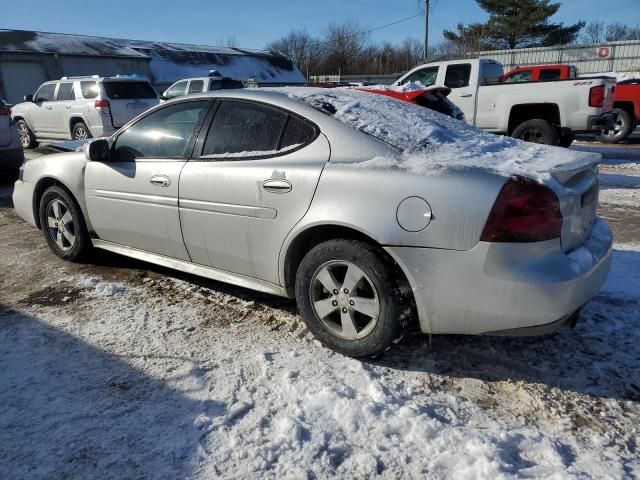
[(224, 84), (519, 77), (164, 133), (177, 90), (549, 75), (89, 89), (426, 76), (458, 76), (45, 92), (244, 130), (65, 92), (196, 86), (491, 73)]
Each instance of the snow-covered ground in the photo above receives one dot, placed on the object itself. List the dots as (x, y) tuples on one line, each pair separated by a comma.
[(117, 369)]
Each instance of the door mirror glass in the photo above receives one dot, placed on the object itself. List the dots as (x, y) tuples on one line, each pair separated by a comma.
[(28, 98), (98, 150)]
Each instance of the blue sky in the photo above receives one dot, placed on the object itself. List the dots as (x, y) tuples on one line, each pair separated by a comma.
[(254, 23)]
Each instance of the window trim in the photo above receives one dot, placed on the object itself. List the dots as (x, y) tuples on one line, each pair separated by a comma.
[(204, 131), (189, 149)]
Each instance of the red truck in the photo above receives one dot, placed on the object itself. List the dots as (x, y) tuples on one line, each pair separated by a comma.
[(626, 101)]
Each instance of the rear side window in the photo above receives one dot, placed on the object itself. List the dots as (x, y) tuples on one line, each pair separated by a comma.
[(164, 133), (426, 76), (297, 133), (196, 86), (458, 76), (519, 77), (225, 83), (65, 92), (45, 93), (129, 90), (548, 75), (244, 130), (89, 89)]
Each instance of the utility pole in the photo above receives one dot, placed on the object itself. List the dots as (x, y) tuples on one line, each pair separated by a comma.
[(426, 29)]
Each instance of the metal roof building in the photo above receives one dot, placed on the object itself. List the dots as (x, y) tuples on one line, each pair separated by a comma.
[(28, 58)]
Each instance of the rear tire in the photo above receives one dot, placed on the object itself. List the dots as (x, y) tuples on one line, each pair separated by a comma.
[(80, 131), (63, 225), (27, 137), (624, 127), (349, 298), (537, 131)]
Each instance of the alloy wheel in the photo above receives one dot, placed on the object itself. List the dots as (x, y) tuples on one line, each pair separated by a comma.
[(61, 225), (23, 133), (80, 133), (345, 299)]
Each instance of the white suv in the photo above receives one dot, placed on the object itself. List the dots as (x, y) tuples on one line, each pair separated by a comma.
[(76, 108), (200, 84)]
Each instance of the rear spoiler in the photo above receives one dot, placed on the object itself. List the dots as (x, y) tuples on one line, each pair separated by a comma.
[(409, 95)]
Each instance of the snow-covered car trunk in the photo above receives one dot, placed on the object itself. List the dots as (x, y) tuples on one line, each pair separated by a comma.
[(430, 143)]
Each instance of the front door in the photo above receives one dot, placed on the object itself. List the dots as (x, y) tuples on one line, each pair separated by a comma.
[(457, 77), (253, 180), (41, 113), (133, 198)]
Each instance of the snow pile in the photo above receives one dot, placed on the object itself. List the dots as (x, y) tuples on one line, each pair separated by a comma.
[(620, 76), (98, 287), (432, 143), (407, 87), (584, 258), (624, 281)]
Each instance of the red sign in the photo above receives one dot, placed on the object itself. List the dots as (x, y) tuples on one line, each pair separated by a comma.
[(604, 52)]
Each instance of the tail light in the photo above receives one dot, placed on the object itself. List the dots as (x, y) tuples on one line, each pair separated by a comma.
[(5, 111), (103, 106), (524, 211), (597, 96)]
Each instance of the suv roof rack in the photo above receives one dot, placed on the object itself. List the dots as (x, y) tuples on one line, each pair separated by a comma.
[(80, 76)]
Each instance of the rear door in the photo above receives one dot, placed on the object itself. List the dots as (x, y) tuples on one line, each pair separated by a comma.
[(253, 179), (128, 99), (61, 108), (133, 199)]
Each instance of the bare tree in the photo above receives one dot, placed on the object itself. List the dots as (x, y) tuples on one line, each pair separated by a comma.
[(594, 32), (342, 45), (299, 47)]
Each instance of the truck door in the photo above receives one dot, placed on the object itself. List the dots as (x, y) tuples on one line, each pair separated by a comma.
[(457, 77)]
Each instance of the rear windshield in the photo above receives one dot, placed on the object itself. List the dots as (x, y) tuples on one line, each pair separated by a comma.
[(225, 83), (129, 90)]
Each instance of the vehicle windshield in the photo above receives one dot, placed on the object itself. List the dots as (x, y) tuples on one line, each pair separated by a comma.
[(129, 90)]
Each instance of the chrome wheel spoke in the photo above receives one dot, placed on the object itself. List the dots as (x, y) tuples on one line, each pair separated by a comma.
[(67, 218), (366, 306), (325, 307), (59, 240), (349, 329), (56, 210), (52, 222), (352, 278), (69, 236), (328, 281)]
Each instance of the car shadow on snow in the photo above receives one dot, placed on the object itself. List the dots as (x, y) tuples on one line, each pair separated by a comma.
[(599, 358), (72, 410)]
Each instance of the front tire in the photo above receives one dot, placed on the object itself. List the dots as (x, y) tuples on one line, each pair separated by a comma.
[(63, 225), (27, 137), (537, 131), (623, 128), (80, 131), (350, 299)]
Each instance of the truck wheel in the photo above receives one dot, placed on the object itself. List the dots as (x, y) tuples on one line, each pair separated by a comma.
[(624, 126), (27, 137), (80, 131), (537, 131), (349, 298)]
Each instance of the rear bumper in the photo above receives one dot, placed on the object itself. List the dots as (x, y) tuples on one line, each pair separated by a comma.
[(604, 121), (23, 200), (500, 288)]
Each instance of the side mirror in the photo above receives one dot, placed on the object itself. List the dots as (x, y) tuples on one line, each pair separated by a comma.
[(28, 98), (98, 150), (163, 96)]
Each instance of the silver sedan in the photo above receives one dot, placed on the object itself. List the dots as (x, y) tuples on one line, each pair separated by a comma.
[(369, 211)]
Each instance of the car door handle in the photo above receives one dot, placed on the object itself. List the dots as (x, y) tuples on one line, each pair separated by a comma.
[(48, 107), (277, 186), (160, 180), (67, 107), (466, 95)]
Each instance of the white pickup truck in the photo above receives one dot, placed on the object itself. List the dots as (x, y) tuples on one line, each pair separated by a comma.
[(542, 112)]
